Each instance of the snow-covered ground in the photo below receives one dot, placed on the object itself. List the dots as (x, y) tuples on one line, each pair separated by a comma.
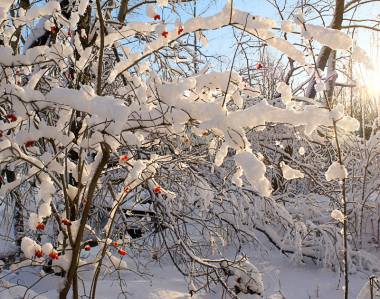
[(294, 281)]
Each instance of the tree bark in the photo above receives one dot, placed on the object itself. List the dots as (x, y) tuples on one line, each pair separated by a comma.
[(325, 52), (71, 274)]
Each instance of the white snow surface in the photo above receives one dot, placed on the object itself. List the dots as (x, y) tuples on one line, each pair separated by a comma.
[(280, 275)]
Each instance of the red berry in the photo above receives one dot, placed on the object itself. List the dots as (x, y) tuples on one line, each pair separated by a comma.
[(157, 189), (122, 252), (165, 34), (30, 143), (115, 244), (11, 117), (124, 158), (157, 17), (53, 29), (54, 255), (87, 247), (66, 222), (40, 226), (180, 30), (259, 66), (39, 253)]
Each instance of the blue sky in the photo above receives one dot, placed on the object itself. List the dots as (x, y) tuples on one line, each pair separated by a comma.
[(222, 42)]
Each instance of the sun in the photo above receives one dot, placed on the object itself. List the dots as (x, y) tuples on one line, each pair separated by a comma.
[(368, 78), (367, 82), (372, 80)]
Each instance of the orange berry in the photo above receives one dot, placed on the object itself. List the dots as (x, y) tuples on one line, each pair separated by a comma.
[(66, 222), (87, 247), (122, 252), (39, 253), (40, 226), (11, 117), (54, 255), (157, 189), (30, 143), (124, 158)]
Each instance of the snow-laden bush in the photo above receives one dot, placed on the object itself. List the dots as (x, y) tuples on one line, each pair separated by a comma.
[(101, 140)]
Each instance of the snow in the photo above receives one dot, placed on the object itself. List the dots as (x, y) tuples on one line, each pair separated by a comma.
[(82, 7), (34, 219), (286, 47), (250, 282), (333, 38), (151, 10), (34, 55), (359, 55), (118, 263), (162, 3), (38, 11), (208, 128), (238, 99), (44, 210), (336, 171), (29, 247), (277, 272), (71, 191), (301, 151), (47, 248), (5, 5), (254, 171), (9, 290), (236, 178), (348, 124), (366, 291), (290, 173), (285, 91), (221, 154), (337, 112), (337, 215), (287, 26)]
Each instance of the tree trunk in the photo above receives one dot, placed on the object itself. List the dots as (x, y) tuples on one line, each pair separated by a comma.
[(325, 52)]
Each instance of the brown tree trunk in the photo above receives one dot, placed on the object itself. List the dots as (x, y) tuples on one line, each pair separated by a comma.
[(71, 274), (325, 52)]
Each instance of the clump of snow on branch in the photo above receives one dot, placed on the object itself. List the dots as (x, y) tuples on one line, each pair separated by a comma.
[(336, 171), (337, 215), (290, 173)]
